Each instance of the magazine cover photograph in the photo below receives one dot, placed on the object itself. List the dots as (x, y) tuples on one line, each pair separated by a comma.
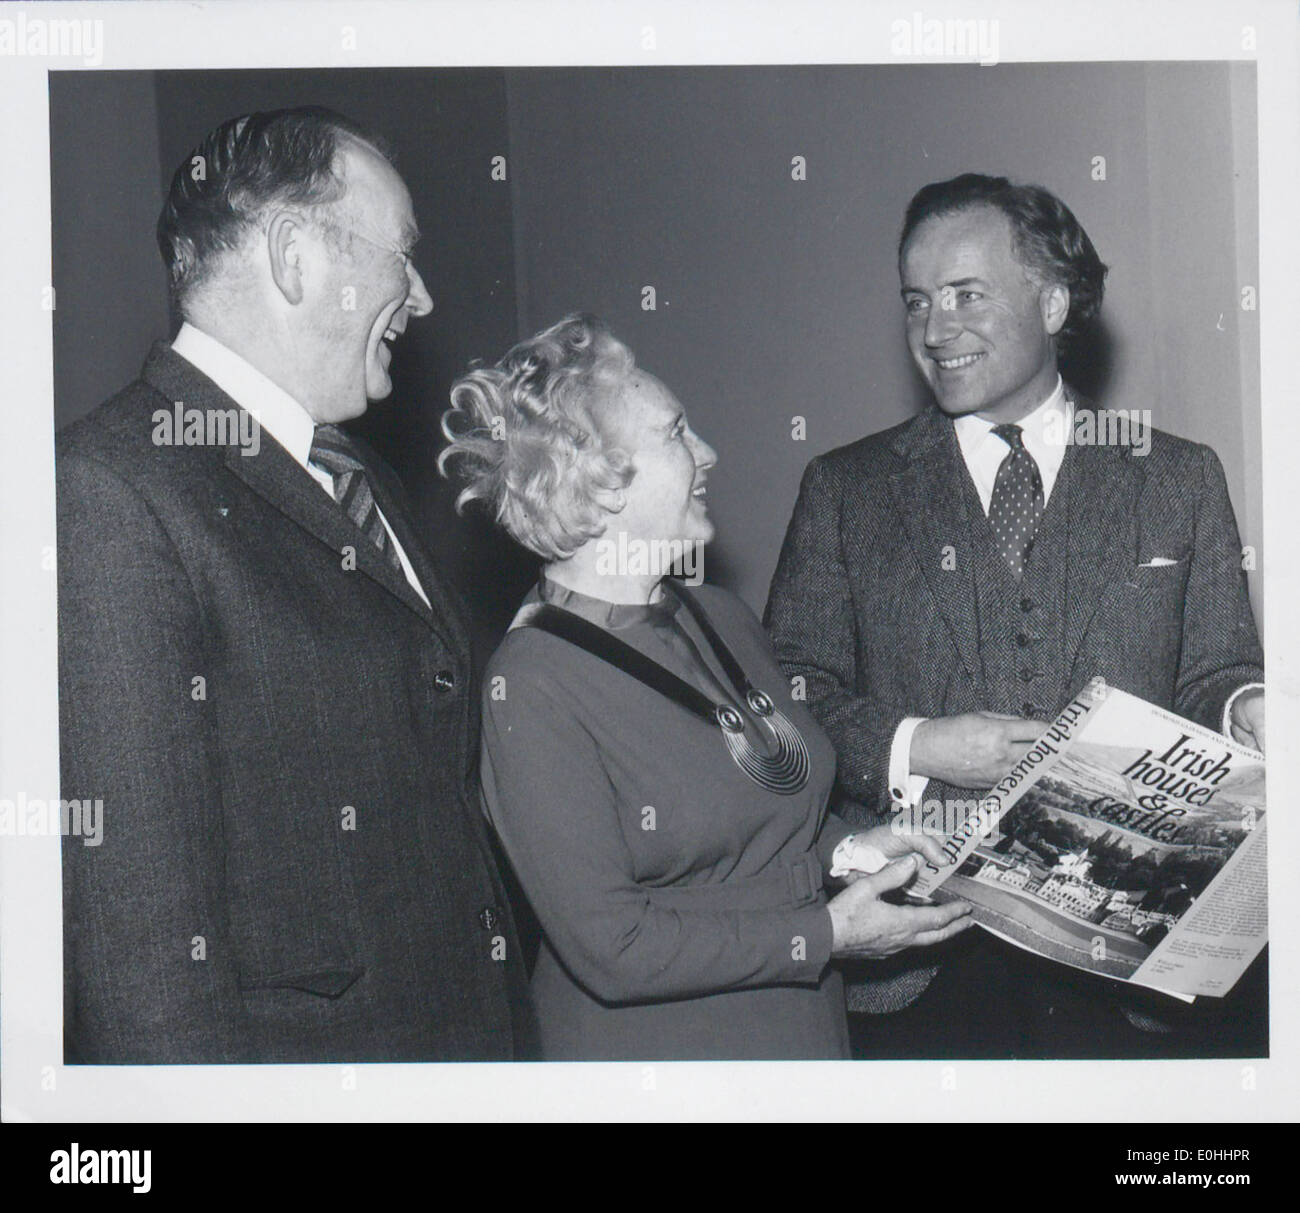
[(1129, 842)]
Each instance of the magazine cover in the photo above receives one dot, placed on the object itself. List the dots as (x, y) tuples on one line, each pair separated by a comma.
[(1128, 842)]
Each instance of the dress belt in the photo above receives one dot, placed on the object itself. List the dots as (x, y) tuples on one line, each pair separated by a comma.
[(791, 884)]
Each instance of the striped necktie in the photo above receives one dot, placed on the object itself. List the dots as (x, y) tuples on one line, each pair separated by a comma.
[(1017, 503), (332, 451)]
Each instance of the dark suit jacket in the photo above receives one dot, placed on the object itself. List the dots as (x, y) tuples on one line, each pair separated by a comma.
[(230, 914), (863, 608)]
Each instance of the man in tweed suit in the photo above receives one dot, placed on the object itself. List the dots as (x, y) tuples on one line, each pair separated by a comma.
[(262, 673), (948, 585)]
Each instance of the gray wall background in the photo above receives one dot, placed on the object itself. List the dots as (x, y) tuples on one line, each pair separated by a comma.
[(779, 298), (775, 297)]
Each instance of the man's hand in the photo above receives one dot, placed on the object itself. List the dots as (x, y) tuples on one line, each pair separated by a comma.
[(865, 928), (973, 750), (1247, 721)]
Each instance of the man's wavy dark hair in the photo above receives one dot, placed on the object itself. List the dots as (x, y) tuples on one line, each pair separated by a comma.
[(224, 187), (1046, 237)]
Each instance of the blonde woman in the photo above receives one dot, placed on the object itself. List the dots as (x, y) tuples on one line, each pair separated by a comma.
[(662, 797)]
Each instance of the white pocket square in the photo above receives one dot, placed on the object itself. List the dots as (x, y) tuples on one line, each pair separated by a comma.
[(1157, 562)]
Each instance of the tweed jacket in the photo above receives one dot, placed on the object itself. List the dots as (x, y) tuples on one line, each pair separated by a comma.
[(874, 605), (283, 734), (867, 610)]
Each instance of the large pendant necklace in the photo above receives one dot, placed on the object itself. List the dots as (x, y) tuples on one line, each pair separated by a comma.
[(784, 772)]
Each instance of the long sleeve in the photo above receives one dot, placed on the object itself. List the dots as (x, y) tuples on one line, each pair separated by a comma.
[(549, 795), (834, 830), (149, 974), (810, 618), (1220, 648)]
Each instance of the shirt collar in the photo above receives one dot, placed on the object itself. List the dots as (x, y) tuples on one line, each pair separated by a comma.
[(1043, 431), (278, 413)]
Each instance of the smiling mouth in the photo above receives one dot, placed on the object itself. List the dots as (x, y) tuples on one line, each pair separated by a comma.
[(957, 364), (700, 492)]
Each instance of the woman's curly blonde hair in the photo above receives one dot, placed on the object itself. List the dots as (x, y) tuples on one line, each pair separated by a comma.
[(524, 435)]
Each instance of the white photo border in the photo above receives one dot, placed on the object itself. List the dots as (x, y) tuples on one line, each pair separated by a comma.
[(449, 33)]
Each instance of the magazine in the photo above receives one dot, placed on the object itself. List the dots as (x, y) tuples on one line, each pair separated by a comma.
[(1128, 842)]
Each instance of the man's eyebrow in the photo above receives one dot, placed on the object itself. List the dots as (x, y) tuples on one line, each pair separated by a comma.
[(410, 235), (955, 283)]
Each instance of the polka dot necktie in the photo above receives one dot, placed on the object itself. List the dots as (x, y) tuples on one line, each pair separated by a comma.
[(1017, 504), (332, 451)]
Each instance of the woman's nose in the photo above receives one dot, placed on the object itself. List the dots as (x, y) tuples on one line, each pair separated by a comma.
[(705, 455)]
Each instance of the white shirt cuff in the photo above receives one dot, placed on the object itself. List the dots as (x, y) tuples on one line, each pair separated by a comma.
[(905, 788), (1226, 730)]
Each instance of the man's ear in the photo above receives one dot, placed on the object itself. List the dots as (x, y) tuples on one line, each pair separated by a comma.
[(1054, 303), (284, 251)]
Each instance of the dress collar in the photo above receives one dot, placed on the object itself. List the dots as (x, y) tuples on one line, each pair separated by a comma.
[(614, 616)]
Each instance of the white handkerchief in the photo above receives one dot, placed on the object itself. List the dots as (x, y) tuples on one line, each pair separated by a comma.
[(853, 855), (1157, 562)]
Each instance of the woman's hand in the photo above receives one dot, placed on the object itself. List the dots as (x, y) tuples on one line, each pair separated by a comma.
[(863, 927), (893, 843)]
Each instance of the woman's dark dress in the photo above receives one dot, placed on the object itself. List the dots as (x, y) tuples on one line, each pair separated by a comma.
[(680, 902)]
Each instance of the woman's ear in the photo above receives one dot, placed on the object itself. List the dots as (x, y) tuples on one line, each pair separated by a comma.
[(612, 500)]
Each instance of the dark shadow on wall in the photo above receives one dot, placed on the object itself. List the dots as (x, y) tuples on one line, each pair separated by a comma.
[(110, 289), (1088, 366)]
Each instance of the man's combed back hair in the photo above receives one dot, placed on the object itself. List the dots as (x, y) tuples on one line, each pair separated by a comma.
[(224, 189), (526, 440), (1048, 240)]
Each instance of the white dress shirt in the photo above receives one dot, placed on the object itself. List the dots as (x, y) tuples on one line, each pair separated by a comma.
[(277, 413), (1044, 433)]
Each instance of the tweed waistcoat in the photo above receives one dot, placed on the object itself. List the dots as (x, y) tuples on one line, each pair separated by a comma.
[(1021, 629), (1022, 623)]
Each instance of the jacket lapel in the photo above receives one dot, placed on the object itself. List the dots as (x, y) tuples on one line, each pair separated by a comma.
[(1103, 484), (284, 484), (928, 495)]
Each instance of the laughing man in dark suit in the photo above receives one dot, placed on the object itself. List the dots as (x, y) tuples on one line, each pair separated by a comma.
[(262, 673), (948, 585)]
